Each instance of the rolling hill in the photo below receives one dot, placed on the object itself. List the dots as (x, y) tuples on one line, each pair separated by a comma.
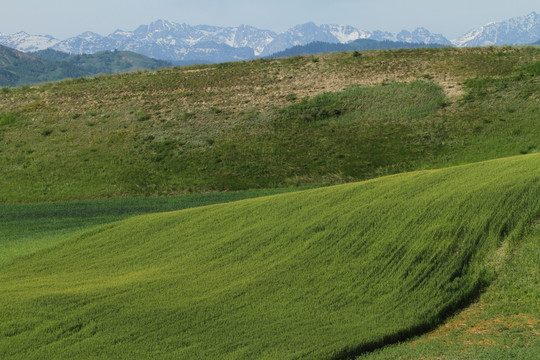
[(303, 121), (17, 68), (321, 274)]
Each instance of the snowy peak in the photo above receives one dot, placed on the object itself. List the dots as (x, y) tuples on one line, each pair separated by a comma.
[(27, 43), (308, 33), (422, 36), (86, 43), (163, 26), (236, 37), (90, 36), (175, 42), (299, 35), (516, 31), (346, 33)]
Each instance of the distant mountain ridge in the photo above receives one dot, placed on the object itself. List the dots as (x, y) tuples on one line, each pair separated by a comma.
[(515, 31), (18, 68), (25, 42), (183, 43)]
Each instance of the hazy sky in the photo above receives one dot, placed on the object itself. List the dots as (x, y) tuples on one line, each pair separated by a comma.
[(67, 18)]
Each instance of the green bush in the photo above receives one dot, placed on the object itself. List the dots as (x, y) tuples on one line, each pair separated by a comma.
[(533, 68), (46, 132), (8, 118), (142, 116)]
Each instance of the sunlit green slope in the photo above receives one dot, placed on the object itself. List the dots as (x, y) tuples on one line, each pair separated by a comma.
[(28, 228), (503, 324), (320, 274)]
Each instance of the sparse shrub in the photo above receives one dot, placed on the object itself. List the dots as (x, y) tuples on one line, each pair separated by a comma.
[(216, 110), (292, 97), (319, 108), (533, 68), (142, 116), (163, 149), (188, 115), (442, 103), (8, 118), (357, 53), (46, 132)]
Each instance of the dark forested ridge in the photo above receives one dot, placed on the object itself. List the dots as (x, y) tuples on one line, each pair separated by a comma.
[(320, 47), (18, 68)]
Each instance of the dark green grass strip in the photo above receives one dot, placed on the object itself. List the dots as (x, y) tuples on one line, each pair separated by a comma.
[(319, 274)]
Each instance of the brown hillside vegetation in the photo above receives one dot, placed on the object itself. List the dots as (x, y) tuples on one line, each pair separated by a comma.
[(308, 120)]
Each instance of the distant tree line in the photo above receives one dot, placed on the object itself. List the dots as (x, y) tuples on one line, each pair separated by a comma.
[(319, 47)]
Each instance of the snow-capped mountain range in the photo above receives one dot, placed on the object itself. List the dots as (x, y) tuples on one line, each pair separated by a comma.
[(181, 42), (174, 42), (516, 31), (25, 42)]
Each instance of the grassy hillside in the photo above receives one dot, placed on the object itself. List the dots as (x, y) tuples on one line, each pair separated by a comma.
[(503, 324), (18, 69), (267, 123), (27, 228), (318, 274)]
